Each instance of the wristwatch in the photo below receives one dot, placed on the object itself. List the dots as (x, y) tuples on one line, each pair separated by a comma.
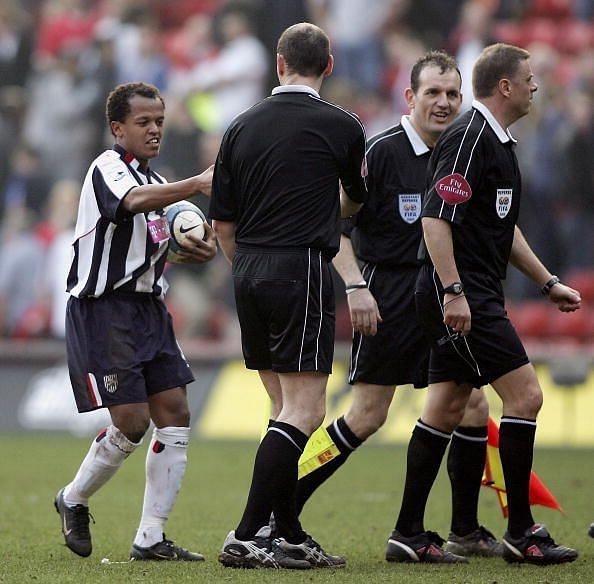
[(456, 288), (547, 287)]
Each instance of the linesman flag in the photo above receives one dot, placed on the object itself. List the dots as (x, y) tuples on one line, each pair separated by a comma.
[(493, 476)]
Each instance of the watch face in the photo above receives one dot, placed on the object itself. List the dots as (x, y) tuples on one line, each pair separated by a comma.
[(455, 288)]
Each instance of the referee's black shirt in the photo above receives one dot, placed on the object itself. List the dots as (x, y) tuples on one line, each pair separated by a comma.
[(475, 184), (387, 230), (278, 170)]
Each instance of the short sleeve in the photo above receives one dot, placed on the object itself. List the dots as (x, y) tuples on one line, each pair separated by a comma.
[(353, 176), (112, 181), (222, 200)]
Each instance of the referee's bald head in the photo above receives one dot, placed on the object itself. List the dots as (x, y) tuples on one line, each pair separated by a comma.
[(305, 48)]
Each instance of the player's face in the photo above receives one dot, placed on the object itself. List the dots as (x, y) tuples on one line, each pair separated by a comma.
[(436, 102), (142, 130), (522, 87)]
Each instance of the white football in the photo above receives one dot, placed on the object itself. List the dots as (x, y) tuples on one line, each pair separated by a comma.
[(184, 218)]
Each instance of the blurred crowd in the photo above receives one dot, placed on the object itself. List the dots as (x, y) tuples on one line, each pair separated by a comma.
[(214, 58)]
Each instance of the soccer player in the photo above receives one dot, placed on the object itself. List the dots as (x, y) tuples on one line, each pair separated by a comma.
[(276, 210), (389, 347), (122, 352), (470, 233)]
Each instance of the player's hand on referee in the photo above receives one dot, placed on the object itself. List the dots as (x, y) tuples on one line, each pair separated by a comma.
[(202, 250), (364, 312), (456, 313), (567, 299), (204, 181)]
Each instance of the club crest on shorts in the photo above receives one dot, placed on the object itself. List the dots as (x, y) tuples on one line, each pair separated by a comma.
[(110, 382), (503, 202), (409, 205)]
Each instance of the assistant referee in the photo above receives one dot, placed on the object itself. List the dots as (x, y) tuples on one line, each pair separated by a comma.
[(276, 210)]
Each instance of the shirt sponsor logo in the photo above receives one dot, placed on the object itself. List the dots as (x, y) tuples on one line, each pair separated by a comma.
[(453, 189), (158, 229), (409, 206), (110, 382), (503, 202)]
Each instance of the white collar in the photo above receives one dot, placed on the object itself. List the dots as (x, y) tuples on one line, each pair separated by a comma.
[(415, 140), (503, 135), (295, 89)]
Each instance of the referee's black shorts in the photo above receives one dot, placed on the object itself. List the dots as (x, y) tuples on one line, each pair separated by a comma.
[(399, 353), (285, 304), (492, 348), (121, 349)]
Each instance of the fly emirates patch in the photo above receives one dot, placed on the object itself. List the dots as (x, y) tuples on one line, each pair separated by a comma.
[(453, 189)]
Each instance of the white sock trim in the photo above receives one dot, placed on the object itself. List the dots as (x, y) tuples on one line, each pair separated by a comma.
[(177, 436)]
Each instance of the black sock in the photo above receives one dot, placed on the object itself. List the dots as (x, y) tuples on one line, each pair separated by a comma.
[(273, 485), (425, 451), (466, 464), (346, 442), (516, 449)]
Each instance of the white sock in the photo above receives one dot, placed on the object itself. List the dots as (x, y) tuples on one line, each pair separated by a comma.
[(107, 453), (165, 467)]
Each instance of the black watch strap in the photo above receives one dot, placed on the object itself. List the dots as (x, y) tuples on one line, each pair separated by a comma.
[(455, 288), (547, 287)]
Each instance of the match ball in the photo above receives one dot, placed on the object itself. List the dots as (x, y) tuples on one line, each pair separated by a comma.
[(184, 218)]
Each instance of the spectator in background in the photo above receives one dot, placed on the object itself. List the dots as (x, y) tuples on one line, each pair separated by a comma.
[(234, 79), (356, 28)]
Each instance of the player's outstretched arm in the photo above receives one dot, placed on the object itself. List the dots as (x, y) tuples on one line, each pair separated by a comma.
[(153, 196), (523, 257), (438, 239), (363, 308)]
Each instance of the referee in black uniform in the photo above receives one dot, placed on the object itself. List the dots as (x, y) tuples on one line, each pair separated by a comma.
[(470, 234), (276, 210), (122, 351), (378, 263)]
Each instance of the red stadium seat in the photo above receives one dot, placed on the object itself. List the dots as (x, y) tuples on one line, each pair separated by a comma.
[(531, 318), (551, 8), (577, 325), (573, 36)]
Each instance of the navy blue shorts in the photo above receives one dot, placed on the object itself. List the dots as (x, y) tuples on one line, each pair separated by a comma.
[(286, 309), (121, 349), (492, 348), (399, 353)]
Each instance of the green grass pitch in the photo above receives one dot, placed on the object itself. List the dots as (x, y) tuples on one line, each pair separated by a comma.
[(352, 514)]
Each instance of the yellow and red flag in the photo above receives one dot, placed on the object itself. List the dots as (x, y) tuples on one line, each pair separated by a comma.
[(493, 476)]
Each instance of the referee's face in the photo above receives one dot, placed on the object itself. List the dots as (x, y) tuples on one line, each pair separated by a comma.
[(436, 102), (522, 88), (141, 132)]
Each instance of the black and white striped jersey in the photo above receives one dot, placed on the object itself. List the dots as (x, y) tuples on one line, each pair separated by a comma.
[(278, 170), (474, 183), (387, 230), (114, 249)]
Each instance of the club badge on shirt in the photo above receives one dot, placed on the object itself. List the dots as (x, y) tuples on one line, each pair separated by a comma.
[(159, 229), (409, 206), (503, 202)]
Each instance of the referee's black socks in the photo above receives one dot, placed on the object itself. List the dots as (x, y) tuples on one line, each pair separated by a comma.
[(516, 450), (273, 484), (466, 464), (346, 442), (425, 451)]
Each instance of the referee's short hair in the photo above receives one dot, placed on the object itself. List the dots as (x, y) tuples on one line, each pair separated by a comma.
[(496, 62), (118, 101), (439, 59), (305, 48)]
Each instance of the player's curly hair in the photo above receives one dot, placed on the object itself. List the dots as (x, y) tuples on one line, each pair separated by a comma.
[(439, 59), (118, 101), (306, 49)]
